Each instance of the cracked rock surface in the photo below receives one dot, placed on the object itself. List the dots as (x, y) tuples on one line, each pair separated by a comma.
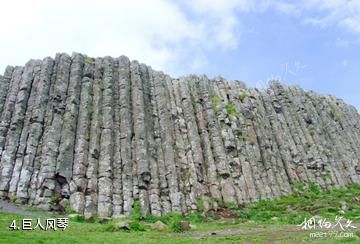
[(101, 133)]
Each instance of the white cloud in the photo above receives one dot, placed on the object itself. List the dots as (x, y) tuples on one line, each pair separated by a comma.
[(144, 30), (174, 36), (341, 13), (159, 32)]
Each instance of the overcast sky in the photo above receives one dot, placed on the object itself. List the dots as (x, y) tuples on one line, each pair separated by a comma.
[(312, 43)]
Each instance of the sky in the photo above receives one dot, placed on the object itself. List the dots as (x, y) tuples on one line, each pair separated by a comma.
[(311, 43)]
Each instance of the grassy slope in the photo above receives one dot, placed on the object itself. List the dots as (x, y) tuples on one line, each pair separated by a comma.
[(256, 223)]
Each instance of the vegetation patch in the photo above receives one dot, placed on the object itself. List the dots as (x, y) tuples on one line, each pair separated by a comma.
[(307, 200), (55, 199), (268, 219), (89, 60), (230, 109), (215, 100), (241, 138), (334, 113), (175, 224), (12, 198), (242, 96), (69, 209), (200, 204)]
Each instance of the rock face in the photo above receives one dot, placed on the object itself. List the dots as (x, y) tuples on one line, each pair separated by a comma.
[(105, 132)]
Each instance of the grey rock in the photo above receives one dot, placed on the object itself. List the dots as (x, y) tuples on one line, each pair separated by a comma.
[(158, 225), (103, 133)]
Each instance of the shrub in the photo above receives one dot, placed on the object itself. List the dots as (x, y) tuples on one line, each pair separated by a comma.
[(230, 109), (136, 226), (78, 218), (136, 213), (243, 215), (110, 227), (175, 225)]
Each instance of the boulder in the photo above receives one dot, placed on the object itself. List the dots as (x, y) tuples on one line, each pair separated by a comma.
[(158, 225)]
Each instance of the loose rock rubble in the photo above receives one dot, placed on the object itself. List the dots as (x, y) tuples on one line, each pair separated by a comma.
[(105, 132)]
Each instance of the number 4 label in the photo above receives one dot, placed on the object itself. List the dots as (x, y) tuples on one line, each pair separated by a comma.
[(13, 225)]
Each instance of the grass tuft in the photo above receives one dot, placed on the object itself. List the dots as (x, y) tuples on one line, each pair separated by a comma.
[(230, 109), (242, 96)]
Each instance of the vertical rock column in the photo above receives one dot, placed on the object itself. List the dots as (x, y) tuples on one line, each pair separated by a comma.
[(158, 202), (126, 131), (191, 180), (91, 192), (8, 108), (46, 181), (65, 159), (105, 171), (117, 196), (139, 139), (48, 117), (166, 143), (211, 178), (81, 154), (36, 129), (13, 134), (22, 143), (221, 157), (5, 85)]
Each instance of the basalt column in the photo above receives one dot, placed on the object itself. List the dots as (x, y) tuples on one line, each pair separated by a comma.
[(97, 135)]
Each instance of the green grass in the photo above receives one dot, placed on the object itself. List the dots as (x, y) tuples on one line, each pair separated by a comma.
[(55, 199), (242, 96), (175, 225), (200, 204), (230, 109), (306, 201), (241, 138), (136, 213), (97, 233), (12, 198), (89, 60), (263, 221), (69, 209), (215, 100), (334, 113)]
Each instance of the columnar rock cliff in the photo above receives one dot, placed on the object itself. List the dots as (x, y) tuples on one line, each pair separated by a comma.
[(100, 133)]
